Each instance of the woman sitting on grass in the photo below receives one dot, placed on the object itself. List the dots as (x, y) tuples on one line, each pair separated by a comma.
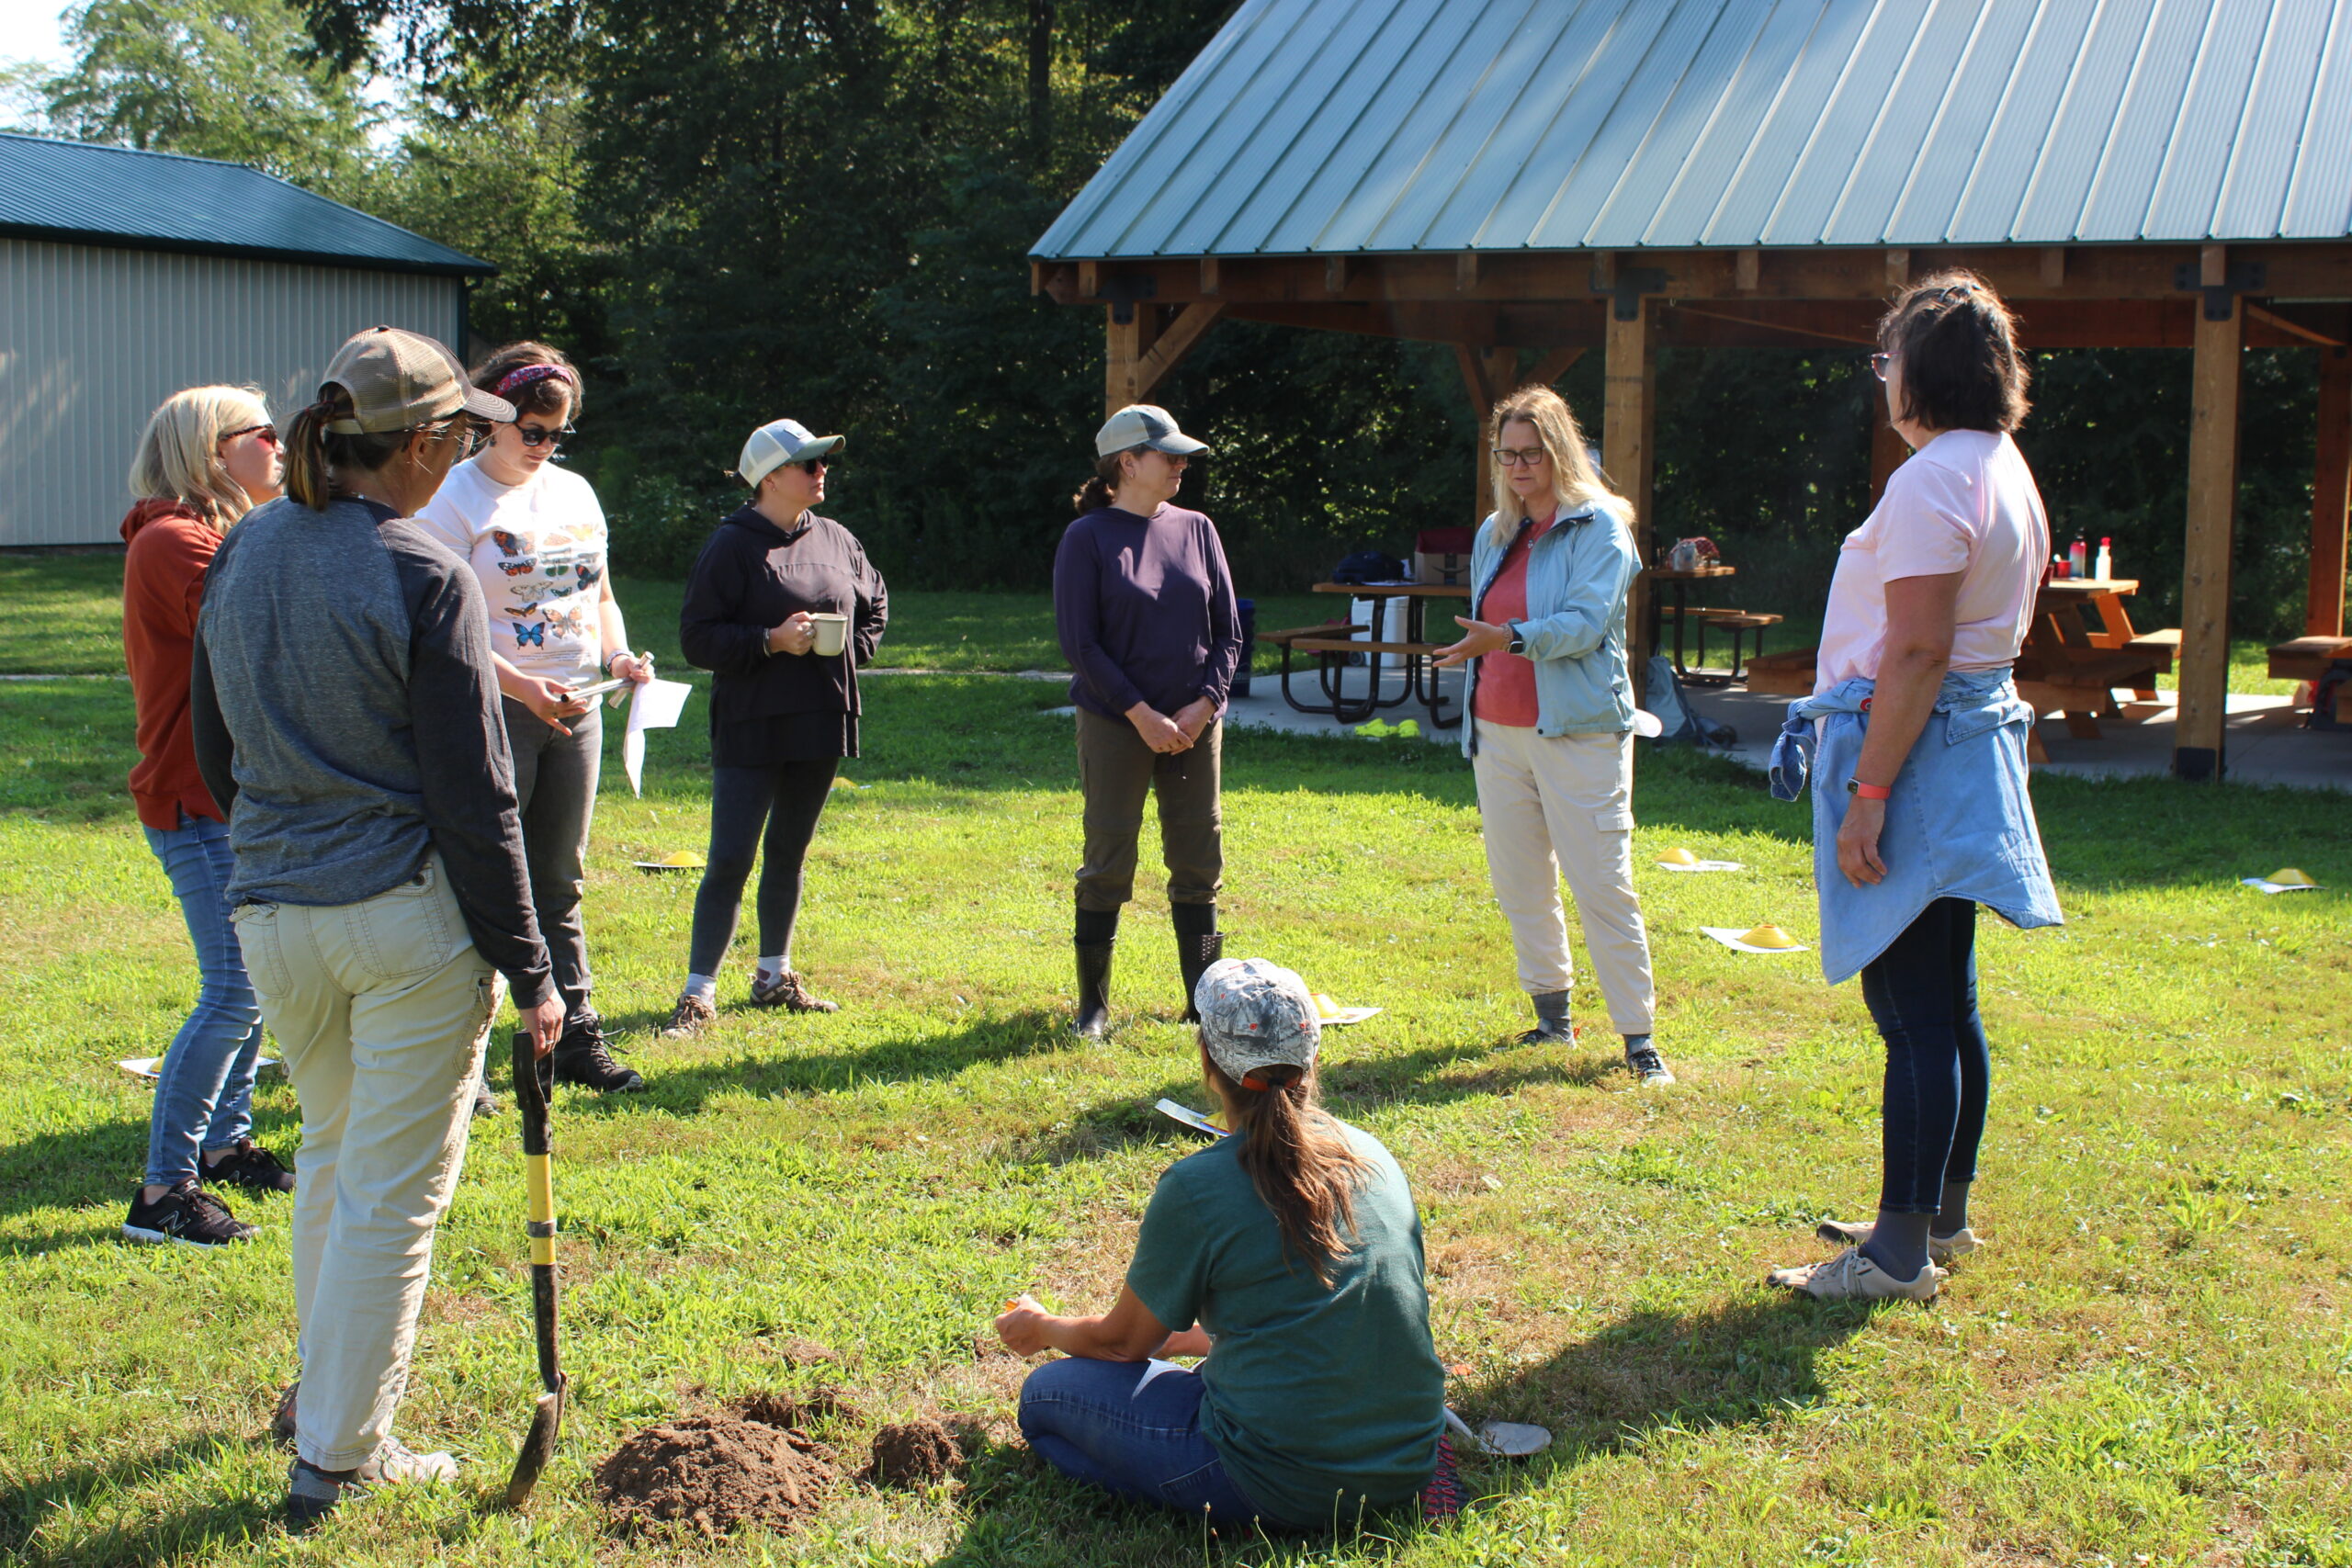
[(1294, 1245)]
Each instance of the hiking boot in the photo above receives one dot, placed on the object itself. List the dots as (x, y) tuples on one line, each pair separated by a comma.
[(1851, 1276), (691, 1016), (583, 1058), (1857, 1233), (787, 990), (1642, 1060), (187, 1215), (312, 1492), (251, 1167), (281, 1420), (1552, 1025)]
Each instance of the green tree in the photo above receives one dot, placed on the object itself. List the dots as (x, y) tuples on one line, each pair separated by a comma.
[(229, 79)]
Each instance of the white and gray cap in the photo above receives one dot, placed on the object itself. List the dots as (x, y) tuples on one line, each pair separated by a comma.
[(1256, 1014), (1145, 424), (782, 441)]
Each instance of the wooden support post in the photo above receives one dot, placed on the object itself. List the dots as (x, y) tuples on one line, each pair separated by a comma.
[(1748, 271), (2331, 495), (2212, 509), (2054, 266), (1887, 448), (1628, 432), (1899, 269), (1209, 276), (1465, 271), (1132, 379), (1335, 274), (1124, 343), (1485, 377)]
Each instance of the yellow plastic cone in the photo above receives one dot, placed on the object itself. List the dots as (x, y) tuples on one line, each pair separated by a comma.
[(2287, 876), (1324, 1006), (1678, 857), (1767, 936)]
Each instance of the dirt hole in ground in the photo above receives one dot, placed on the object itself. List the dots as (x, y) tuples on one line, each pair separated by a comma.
[(751, 1464), (914, 1454)]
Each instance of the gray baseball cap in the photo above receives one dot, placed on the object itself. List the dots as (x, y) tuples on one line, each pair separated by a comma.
[(1145, 424), (1256, 1014), (782, 441)]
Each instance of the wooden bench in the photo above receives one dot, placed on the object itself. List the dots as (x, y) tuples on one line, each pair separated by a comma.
[(2082, 690), (2307, 658), (2161, 645), (1788, 674), (1739, 623)]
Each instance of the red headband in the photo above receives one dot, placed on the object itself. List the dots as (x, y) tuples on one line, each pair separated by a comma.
[(516, 380)]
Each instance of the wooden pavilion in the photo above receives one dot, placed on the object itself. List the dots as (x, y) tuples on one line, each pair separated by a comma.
[(1562, 176)]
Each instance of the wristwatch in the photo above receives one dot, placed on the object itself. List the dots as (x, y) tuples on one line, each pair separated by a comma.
[(1517, 643)]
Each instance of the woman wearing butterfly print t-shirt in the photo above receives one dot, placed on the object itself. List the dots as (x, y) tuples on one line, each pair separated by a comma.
[(535, 535)]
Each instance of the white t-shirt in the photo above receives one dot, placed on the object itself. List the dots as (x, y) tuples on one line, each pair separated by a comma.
[(539, 550), (1963, 502)]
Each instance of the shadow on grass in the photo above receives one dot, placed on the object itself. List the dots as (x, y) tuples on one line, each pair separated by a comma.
[(103, 1164), (27, 1505), (674, 1087)]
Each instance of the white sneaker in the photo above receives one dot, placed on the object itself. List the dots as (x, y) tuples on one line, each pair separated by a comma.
[(393, 1463), (1857, 1233), (1851, 1276)]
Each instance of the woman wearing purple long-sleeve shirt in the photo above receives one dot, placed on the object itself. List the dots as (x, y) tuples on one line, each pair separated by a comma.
[(1146, 611)]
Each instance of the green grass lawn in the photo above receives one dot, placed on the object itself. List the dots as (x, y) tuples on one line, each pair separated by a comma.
[(2149, 1362)]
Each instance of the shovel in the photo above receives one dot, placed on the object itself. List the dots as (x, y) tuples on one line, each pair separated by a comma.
[(547, 1417)]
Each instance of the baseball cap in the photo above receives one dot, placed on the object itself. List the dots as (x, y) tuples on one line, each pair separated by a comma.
[(1256, 1014), (1144, 425), (398, 380), (782, 441)]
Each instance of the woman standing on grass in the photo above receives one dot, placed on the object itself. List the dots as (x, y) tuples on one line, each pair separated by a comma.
[(1916, 740), (208, 456), (534, 535), (781, 715), (1146, 611), (1550, 710), (1293, 1245)]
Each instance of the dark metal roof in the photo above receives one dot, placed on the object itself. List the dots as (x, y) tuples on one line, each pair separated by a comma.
[(86, 194), (1335, 126)]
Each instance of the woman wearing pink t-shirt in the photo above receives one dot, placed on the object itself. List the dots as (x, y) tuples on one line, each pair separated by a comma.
[(1915, 736)]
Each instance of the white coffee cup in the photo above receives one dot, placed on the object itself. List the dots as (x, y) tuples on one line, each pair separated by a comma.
[(831, 633)]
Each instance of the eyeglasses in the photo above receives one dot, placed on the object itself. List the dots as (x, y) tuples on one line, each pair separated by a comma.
[(1878, 362), (539, 436), (813, 465), (1520, 456), (269, 434), (472, 436)]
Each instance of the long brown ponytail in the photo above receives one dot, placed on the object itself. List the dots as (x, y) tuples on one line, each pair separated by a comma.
[(1298, 1160), (313, 451), (1098, 491)]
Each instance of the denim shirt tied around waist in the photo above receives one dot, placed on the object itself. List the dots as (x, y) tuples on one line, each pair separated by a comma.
[(1959, 825), (1578, 576)]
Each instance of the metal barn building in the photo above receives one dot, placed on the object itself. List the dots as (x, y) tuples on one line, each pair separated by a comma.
[(126, 275)]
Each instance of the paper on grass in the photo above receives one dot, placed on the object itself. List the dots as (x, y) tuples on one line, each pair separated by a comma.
[(1189, 1117), (151, 1068), (654, 706), (1703, 866), (2265, 884), (1346, 1016), (1733, 939)]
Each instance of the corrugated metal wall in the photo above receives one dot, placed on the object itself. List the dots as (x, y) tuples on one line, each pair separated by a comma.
[(92, 339)]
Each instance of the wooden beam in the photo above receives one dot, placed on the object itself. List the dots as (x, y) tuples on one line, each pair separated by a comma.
[(1553, 365), (1125, 346), (2054, 266), (1473, 380), (2204, 662), (1465, 273), (1176, 340), (1899, 269), (2331, 496), (1628, 432), (1485, 377), (1748, 271), (2287, 327), (1208, 277), (1335, 275)]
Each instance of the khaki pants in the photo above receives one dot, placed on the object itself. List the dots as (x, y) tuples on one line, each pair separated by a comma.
[(1115, 770), (1565, 804), (380, 1008)]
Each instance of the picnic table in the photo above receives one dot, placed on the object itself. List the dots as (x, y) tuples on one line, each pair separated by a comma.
[(1738, 623), (1331, 643)]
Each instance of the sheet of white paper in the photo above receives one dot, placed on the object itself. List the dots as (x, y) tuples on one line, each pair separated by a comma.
[(654, 706), (2267, 886), (1189, 1117), (1346, 1016), (1703, 866), (150, 1068), (1731, 939), (1152, 1369)]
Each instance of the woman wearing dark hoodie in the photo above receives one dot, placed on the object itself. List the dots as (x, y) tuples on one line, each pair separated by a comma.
[(208, 456), (783, 715)]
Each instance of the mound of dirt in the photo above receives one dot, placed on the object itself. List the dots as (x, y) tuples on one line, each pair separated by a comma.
[(913, 1454), (771, 1408), (717, 1474)]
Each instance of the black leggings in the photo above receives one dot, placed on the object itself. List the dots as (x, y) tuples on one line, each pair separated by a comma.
[(1922, 994), (786, 799)]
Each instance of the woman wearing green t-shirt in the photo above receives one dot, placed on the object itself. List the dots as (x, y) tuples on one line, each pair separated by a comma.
[(1290, 1254)]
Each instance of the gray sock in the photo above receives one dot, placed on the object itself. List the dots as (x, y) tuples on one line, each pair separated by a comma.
[(1953, 1217), (1898, 1243), (1552, 1012)]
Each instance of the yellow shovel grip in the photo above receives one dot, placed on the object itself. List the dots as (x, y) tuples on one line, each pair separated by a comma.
[(541, 1177)]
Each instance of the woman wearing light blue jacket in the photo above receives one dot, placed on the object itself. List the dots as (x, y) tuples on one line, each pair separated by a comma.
[(1551, 717), (1916, 740)]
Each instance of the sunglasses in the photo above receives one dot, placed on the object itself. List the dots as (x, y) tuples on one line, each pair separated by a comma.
[(1878, 362), (269, 434), (812, 465), (539, 436)]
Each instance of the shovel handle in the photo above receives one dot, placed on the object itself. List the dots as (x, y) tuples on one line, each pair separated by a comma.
[(530, 1094)]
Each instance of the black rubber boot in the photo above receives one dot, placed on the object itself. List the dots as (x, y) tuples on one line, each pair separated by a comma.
[(1097, 934), (1198, 945)]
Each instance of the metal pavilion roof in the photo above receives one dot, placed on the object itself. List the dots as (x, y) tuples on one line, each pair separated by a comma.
[(113, 196), (1337, 126)]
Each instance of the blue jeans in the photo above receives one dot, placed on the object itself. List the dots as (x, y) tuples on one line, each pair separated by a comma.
[(1092, 1424), (204, 1098), (1922, 994)]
